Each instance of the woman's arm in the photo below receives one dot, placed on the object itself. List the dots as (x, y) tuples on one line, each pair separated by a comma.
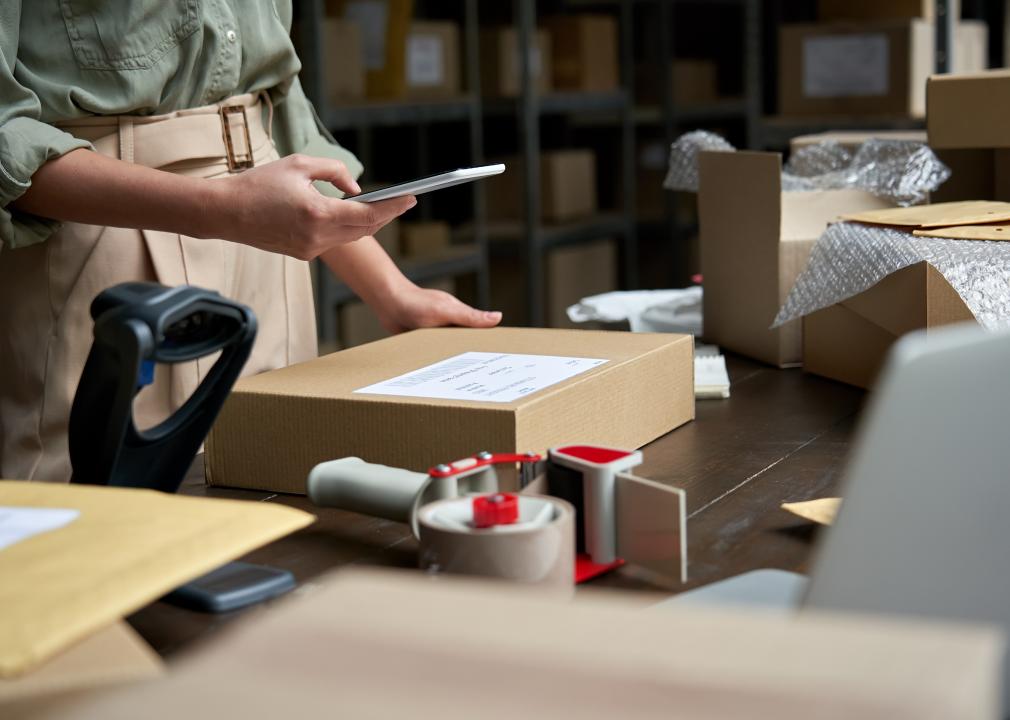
[(273, 207)]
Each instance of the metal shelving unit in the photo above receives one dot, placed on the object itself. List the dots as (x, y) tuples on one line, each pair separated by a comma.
[(458, 260), (535, 237)]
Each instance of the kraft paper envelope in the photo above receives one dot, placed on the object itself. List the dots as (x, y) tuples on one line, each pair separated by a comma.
[(110, 656), (968, 212), (127, 548), (999, 231)]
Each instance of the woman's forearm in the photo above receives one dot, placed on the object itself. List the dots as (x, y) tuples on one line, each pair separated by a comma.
[(85, 187), (367, 269), (273, 207)]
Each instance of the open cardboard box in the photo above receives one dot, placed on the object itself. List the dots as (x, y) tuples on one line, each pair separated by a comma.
[(755, 240), (849, 341), (277, 426)]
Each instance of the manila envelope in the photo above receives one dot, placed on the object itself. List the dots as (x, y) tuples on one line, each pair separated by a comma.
[(127, 548)]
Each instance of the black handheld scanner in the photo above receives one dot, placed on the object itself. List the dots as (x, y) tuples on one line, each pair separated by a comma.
[(138, 325)]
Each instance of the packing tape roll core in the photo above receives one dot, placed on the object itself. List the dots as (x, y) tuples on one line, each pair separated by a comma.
[(538, 553)]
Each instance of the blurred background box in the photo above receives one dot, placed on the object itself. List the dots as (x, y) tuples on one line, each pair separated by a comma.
[(584, 51), (834, 10), (873, 68), (968, 130), (424, 239), (432, 60), (567, 184), (389, 238), (500, 66), (570, 274), (384, 25), (343, 55)]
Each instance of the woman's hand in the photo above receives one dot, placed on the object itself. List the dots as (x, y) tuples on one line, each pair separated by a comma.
[(410, 307), (275, 207)]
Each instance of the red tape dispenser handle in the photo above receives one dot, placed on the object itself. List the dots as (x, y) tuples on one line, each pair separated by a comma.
[(496, 509)]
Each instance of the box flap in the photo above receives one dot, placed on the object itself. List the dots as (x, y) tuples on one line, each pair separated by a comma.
[(806, 214), (126, 548), (651, 520), (112, 655), (967, 212), (969, 110), (997, 231), (370, 644)]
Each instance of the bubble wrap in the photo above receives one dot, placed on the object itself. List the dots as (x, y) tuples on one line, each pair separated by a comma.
[(850, 258), (902, 171), (683, 172)]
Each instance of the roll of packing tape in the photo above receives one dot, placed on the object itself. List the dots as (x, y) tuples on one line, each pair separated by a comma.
[(538, 549)]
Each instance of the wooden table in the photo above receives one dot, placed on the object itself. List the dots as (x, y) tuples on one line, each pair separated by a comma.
[(783, 436)]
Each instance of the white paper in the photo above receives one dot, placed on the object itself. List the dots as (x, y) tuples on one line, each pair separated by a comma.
[(484, 376), (425, 61), (21, 523), (845, 65)]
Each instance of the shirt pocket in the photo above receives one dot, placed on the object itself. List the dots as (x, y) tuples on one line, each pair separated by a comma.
[(131, 35)]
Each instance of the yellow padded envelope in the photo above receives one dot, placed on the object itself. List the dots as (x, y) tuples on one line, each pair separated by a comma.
[(126, 548)]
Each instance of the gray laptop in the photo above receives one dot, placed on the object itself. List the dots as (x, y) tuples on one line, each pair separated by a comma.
[(924, 527)]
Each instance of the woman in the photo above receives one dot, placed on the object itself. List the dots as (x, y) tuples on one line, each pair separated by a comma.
[(172, 140)]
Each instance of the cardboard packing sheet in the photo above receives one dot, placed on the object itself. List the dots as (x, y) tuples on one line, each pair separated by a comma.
[(126, 548), (277, 426), (849, 341), (755, 240), (937, 215), (369, 644)]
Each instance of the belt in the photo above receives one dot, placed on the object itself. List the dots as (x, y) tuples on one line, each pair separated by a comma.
[(231, 131)]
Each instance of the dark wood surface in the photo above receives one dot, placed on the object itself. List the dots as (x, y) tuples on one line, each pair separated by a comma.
[(782, 436)]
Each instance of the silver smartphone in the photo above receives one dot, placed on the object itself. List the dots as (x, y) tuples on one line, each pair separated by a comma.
[(435, 182)]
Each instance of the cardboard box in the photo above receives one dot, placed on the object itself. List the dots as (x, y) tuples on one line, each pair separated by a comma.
[(373, 644), (849, 341), (388, 237), (567, 186), (432, 68), (277, 426), (499, 62), (966, 127), (862, 10), (343, 56), (425, 239), (584, 49), (755, 240), (877, 68), (692, 82), (570, 274), (384, 25)]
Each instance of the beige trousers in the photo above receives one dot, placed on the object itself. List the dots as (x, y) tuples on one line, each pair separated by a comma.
[(46, 290)]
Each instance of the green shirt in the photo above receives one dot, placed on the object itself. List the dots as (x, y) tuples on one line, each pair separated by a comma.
[(77, 58)]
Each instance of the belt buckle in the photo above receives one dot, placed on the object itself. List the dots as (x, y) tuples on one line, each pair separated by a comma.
[(236, 163)]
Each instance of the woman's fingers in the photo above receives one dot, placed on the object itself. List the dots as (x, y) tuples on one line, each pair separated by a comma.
[(369, 215), (456, 312), (332, 171)]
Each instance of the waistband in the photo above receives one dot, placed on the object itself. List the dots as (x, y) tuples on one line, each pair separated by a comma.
[(231, 131)]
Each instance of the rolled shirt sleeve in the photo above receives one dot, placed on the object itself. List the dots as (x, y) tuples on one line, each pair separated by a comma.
[(297, 129), (26, 143)]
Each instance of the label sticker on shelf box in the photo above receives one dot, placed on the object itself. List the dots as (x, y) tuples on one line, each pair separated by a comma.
[(484, 376), (425, 61), (846, 65)]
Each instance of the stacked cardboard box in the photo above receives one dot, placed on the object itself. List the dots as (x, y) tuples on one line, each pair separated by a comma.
[(357, 324), (500, 68), (425, 239), (343, 57), (876, 67), (967, 128), (693, 81), (584, 49), (567, 184)]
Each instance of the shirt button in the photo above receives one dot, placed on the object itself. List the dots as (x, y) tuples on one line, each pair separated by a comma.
[(232, 37)]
